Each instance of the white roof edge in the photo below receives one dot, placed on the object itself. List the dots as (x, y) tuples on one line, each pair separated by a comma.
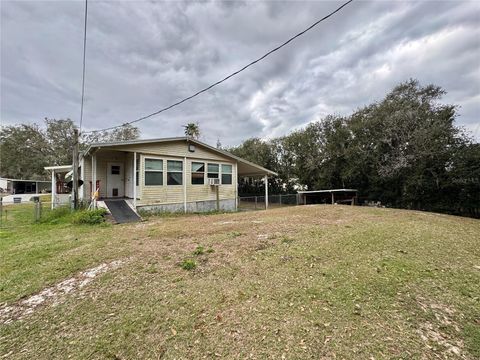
[(29, 180), (148, 141), (326, 191), (59, 167)]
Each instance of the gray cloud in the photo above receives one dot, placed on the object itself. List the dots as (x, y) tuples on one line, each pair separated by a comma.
[(143, 56)]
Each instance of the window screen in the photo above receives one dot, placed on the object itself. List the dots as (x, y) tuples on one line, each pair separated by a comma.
[(198, 173), (226, 174), (153, 172), (174, 172), (213, 170)]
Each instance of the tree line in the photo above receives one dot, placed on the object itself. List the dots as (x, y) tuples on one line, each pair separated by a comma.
[(26, 149), (404, 151)]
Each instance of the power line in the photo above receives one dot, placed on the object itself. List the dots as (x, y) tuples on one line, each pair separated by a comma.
[(231, 75), (84, 57)]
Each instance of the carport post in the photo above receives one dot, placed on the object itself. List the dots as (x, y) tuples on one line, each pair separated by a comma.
[(266, 192)]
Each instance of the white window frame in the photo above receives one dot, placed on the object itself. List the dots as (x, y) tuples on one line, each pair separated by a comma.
[(218, 172), (205, 168), (230, 173), (178, 172), (160, 171)]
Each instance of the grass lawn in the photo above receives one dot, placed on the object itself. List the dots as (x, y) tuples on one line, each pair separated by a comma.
[(298, 282)]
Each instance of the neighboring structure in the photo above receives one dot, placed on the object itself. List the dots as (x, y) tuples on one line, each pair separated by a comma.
[(21, 186), (171, 174), (59, 190), (330, 196)]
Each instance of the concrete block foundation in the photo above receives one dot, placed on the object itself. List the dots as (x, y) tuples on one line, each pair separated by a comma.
[(196, 206)]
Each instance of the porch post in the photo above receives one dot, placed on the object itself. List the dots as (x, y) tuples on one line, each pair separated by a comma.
[(185, 184), (53, 189), (236, 185), (266, 192), (135, 180), (94, 175)]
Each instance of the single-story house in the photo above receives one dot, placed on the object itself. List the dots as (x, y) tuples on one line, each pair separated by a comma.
[(169, 174)]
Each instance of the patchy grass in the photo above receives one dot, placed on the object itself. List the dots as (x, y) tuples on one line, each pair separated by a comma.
[(302, 282)]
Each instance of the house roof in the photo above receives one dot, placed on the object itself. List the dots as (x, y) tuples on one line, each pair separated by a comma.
[(245, 167)]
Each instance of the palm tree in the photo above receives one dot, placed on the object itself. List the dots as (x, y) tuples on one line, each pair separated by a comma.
[(192, 130)]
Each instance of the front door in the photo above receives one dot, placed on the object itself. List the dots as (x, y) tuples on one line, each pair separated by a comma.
[(115, 180)]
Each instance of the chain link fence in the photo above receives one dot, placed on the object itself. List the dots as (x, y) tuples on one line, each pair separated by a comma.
[(246, 203)]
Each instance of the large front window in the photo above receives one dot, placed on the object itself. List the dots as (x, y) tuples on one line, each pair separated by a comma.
[(174, 172), (153, 172)]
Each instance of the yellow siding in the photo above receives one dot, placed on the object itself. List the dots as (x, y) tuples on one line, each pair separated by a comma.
[(174, 148), (168, 194)]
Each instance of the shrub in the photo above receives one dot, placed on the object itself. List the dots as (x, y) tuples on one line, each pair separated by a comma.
[(188, 264), (90, 217), (57, 215), (286, 240), (200, 250)]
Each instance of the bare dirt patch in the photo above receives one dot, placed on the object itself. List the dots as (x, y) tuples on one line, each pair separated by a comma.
[(54, 295), (433, 335)]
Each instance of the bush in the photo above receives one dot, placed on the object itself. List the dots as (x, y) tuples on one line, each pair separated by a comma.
[(57, 215), (200, 250), (90, 217), (188, 264)]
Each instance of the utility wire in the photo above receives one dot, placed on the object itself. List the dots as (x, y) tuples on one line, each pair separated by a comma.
[(231, 75), (84, 57)]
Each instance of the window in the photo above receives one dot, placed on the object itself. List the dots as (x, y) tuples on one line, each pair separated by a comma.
[(213, 170), (174, 172), (198, 173), (115, 170), (153, 172), (227, 174)]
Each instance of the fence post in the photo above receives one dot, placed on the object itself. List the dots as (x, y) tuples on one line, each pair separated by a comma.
[(1, 210), (280, 199), (37, 210), (255, 203)]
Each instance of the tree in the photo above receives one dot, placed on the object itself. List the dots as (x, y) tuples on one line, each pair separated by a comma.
[(404, 151), (26, 149), (192, 130), (24, 152), (122, 133), (259, 152)]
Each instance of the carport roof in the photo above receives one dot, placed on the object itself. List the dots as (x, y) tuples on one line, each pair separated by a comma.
[(327, 191)]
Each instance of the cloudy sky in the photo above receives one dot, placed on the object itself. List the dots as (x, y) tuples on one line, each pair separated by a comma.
[(142, 56)]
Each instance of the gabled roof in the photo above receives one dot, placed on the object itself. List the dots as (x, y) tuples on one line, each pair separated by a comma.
[(248, 168)]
